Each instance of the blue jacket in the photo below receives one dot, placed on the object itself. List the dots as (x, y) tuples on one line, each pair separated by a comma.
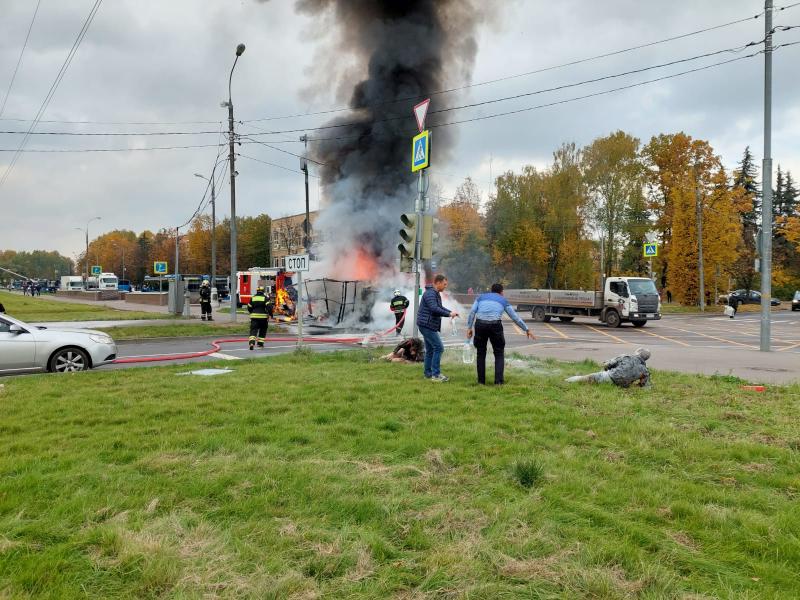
[(431, 310), (490, 307)]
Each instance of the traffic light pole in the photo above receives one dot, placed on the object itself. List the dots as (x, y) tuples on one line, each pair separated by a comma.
[(418, 246)]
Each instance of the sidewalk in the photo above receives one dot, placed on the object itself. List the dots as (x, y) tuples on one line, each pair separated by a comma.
[(750, 365)]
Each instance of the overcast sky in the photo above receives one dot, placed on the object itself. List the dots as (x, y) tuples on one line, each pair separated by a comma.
[(157, 61)]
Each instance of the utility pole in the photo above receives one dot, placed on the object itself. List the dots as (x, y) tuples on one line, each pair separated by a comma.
[(212, 182), (699, 215), (177, 253), (231, 157), (766, 206), (304, 168)]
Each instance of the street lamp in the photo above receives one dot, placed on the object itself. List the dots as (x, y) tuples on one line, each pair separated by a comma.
[(234, 283), (213, 231), (86, 231)]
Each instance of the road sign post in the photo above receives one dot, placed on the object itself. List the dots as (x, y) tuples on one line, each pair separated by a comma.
[(649, 250), (160, 267), (420, 160), (298, 263)]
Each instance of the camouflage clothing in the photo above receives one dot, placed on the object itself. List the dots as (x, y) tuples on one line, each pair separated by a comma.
[(624, 370)]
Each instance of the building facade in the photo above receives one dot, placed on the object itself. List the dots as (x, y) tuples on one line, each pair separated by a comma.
[(287, 235)]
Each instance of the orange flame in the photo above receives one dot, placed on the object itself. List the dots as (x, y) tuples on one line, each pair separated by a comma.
[(356, 264)]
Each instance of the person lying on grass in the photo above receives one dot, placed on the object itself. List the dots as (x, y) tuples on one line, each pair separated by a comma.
[(624, 370)]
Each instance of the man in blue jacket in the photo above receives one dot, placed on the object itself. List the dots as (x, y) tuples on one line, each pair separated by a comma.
[(429, 322), (486, 316)]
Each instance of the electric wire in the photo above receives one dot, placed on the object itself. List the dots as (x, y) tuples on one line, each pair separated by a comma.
[(54, 86), (274, 165), (19, 60), (434, 92), (519, 75), (79, 150), (247, 137), (396, 117)]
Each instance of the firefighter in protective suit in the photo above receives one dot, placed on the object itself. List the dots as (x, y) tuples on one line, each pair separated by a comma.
[(260, 309), (624, 371), (205, 301), (398, 306)]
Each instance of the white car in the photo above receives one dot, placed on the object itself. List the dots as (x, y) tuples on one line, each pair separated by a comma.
[(26, 347)]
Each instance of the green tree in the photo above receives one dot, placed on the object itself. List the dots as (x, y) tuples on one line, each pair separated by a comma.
[(615, 178), (745, 179)]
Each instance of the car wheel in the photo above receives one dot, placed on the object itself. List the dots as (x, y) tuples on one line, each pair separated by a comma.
[(538, 314), (639, 323), (68, 360), (566, 319), (612, 319)]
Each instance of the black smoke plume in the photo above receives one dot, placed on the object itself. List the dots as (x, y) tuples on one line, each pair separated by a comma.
[(403, 50)]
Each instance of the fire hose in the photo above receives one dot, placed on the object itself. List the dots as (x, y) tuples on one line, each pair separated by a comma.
[(215, 345)]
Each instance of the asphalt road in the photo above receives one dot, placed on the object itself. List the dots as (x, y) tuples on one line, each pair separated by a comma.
[(675, 332), (680, 331)]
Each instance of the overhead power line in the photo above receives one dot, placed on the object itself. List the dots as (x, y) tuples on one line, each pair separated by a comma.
[(79, 150), (53, 87), (263, 132), (434, 92), (264, 162), (19, 60)]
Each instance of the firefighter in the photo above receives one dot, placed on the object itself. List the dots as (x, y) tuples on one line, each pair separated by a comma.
[(205, 301), (260, 309), (398, 306)]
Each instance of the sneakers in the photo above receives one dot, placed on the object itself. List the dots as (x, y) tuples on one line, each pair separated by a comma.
[(250, 345), (440, 378)]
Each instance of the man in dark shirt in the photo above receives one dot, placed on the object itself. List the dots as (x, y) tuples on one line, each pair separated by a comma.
[(429, 321)]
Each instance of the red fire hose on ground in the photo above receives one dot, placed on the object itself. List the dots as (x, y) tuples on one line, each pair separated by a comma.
[(215, 346)]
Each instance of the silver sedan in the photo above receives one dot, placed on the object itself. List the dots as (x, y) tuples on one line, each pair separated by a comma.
[(25, 347)]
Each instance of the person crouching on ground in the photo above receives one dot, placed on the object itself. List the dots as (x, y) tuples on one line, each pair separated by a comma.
[(260, 309), (429, 322), (486, 316), (624, 371)]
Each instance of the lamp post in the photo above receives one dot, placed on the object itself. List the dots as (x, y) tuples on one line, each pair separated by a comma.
[(214, 294), (86, 231), (231, 157)]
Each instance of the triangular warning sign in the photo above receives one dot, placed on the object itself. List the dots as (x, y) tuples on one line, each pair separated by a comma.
[(420, 111)]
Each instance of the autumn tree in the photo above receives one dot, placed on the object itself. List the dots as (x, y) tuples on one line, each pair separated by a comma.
[(462, 251), (38, 264), (614, 176), (699, 187)]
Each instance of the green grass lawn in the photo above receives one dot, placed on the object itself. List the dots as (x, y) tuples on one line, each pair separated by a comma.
[(334, 476), (41, 309), (135, 332)]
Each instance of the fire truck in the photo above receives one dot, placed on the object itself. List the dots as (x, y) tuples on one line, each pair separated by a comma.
[(274, 281)]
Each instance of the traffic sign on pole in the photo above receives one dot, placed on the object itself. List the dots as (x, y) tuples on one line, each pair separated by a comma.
[(650, 249), (297, 263), (421, 151), (160, 267), (420, 112), (96, 269)]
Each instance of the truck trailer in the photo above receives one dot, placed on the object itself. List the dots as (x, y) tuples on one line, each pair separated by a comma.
[(622, 299)]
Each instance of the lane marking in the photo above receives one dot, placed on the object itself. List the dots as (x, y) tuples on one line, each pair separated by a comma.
[(224, 356), (712, 337), (619, 341), (641, 330), (566, 337)]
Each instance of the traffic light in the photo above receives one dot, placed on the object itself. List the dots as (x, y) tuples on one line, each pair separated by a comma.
[(408, 238), (429, 236)]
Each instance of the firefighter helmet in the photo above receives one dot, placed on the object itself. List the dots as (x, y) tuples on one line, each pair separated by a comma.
[(260, 288), (205, 282), (397, 293)]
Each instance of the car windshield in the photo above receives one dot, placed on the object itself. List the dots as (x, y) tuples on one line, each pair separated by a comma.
[(108, 280), (797, 295), (642, 286)]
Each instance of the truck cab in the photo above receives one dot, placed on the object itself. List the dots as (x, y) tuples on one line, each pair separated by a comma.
[(633, 299)]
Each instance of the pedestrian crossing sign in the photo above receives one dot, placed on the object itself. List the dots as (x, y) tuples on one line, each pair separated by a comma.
[(421, 151), (96, 269), (650, 249), (160, 267)]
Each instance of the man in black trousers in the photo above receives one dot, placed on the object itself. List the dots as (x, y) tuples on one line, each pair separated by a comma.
[(486, 316)]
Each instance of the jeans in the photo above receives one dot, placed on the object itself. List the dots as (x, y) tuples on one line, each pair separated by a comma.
[(490, 332), (433, 351)]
